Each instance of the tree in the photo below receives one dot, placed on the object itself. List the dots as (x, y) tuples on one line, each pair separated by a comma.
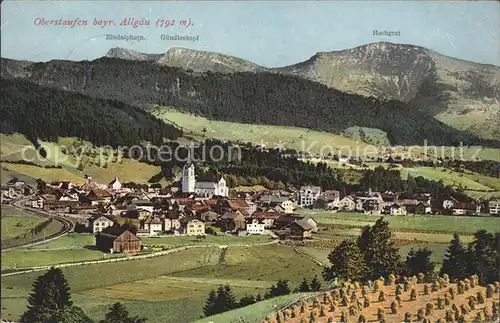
[(315, 284), (50, 295), (483, 256), (347, 262), (455, 263), (419, 261), (281, 288), (119, 314), (209, 307), (380, 254), (304, 286), (221, 301), (71, 314), (246, 300)]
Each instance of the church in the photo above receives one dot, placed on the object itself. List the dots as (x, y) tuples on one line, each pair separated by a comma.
[(204, 189)]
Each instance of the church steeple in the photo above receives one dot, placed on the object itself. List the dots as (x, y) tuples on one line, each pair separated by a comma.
[(188, 177)]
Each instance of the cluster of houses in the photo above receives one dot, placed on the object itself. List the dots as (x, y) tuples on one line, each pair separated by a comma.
[(196, 208)]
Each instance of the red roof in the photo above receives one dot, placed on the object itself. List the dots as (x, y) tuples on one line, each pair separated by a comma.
[(266, 215)]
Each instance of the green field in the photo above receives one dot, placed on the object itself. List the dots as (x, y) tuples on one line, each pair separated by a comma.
[(69, 248), (466, 180), (75, 247), (209, 239), (301, 138), (340, 234), (16, 226), (256, 312), (271, 136), (441, 223), (162, 288), (16, 147)]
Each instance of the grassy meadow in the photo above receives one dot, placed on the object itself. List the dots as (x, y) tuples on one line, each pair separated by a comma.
[(162, 288), (441, 223), (302, 138), (16, 225), (290, 137), (16, 147), (174, 241)]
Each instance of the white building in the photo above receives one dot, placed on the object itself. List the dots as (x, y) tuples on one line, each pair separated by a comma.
[(308, 195), (256, 227), (115, 184), (205, 189), (98, 222), (494, 206)]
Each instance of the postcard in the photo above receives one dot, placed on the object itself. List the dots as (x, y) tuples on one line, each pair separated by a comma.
[(250, 161)]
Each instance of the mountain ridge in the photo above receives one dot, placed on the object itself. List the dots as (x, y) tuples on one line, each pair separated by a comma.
[(460, 93), (248, 97)]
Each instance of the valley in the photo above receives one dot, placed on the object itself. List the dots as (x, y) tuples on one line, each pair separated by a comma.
[(364, 172)]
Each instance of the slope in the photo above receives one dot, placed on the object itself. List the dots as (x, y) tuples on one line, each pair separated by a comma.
[(257, 98)]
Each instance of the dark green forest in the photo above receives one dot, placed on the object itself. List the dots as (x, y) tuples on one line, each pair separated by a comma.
[(261, 98), (48, 113)]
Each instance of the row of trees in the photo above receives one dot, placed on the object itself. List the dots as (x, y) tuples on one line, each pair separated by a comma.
[(375, 255), (47, 113), (223, 299), (50, 302), (480, 257), (275, 169)]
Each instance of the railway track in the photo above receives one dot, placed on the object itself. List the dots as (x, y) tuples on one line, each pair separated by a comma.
[(67, 226)]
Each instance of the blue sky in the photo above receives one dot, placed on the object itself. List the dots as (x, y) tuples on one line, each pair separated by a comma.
[(268, 33)]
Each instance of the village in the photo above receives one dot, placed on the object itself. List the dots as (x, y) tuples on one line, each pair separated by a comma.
[(119, 215)]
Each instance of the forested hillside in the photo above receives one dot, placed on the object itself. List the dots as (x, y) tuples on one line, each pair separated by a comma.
[(48, 113), (244, 97)]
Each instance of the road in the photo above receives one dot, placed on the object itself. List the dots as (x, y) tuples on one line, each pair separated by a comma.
[(67, 225)]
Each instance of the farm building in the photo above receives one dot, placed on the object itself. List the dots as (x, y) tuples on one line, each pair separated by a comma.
[(115, 239)]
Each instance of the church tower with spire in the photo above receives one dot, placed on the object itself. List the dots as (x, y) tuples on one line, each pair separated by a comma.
[(188, 178)]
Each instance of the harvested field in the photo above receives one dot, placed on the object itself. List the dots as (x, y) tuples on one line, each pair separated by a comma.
[(439, 301)]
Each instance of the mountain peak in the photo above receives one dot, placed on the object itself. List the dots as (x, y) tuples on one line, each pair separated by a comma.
[(124, 53)]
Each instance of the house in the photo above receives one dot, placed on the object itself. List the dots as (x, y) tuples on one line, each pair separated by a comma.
[(209, 216), (192, 227), (232, 221), (284, 220), (115, 239), (418, 208), (98, 222), (98, 195), (328, 200), (171, 221), (466, 209), (396, 209), (256, 226), (347, 203), (153, 225), (494, 207), (267, 218), (308, 195), (299, 230), (372, 206), (115, 184), (242, 205), (282, 201), (449, 202), (313, 225)]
